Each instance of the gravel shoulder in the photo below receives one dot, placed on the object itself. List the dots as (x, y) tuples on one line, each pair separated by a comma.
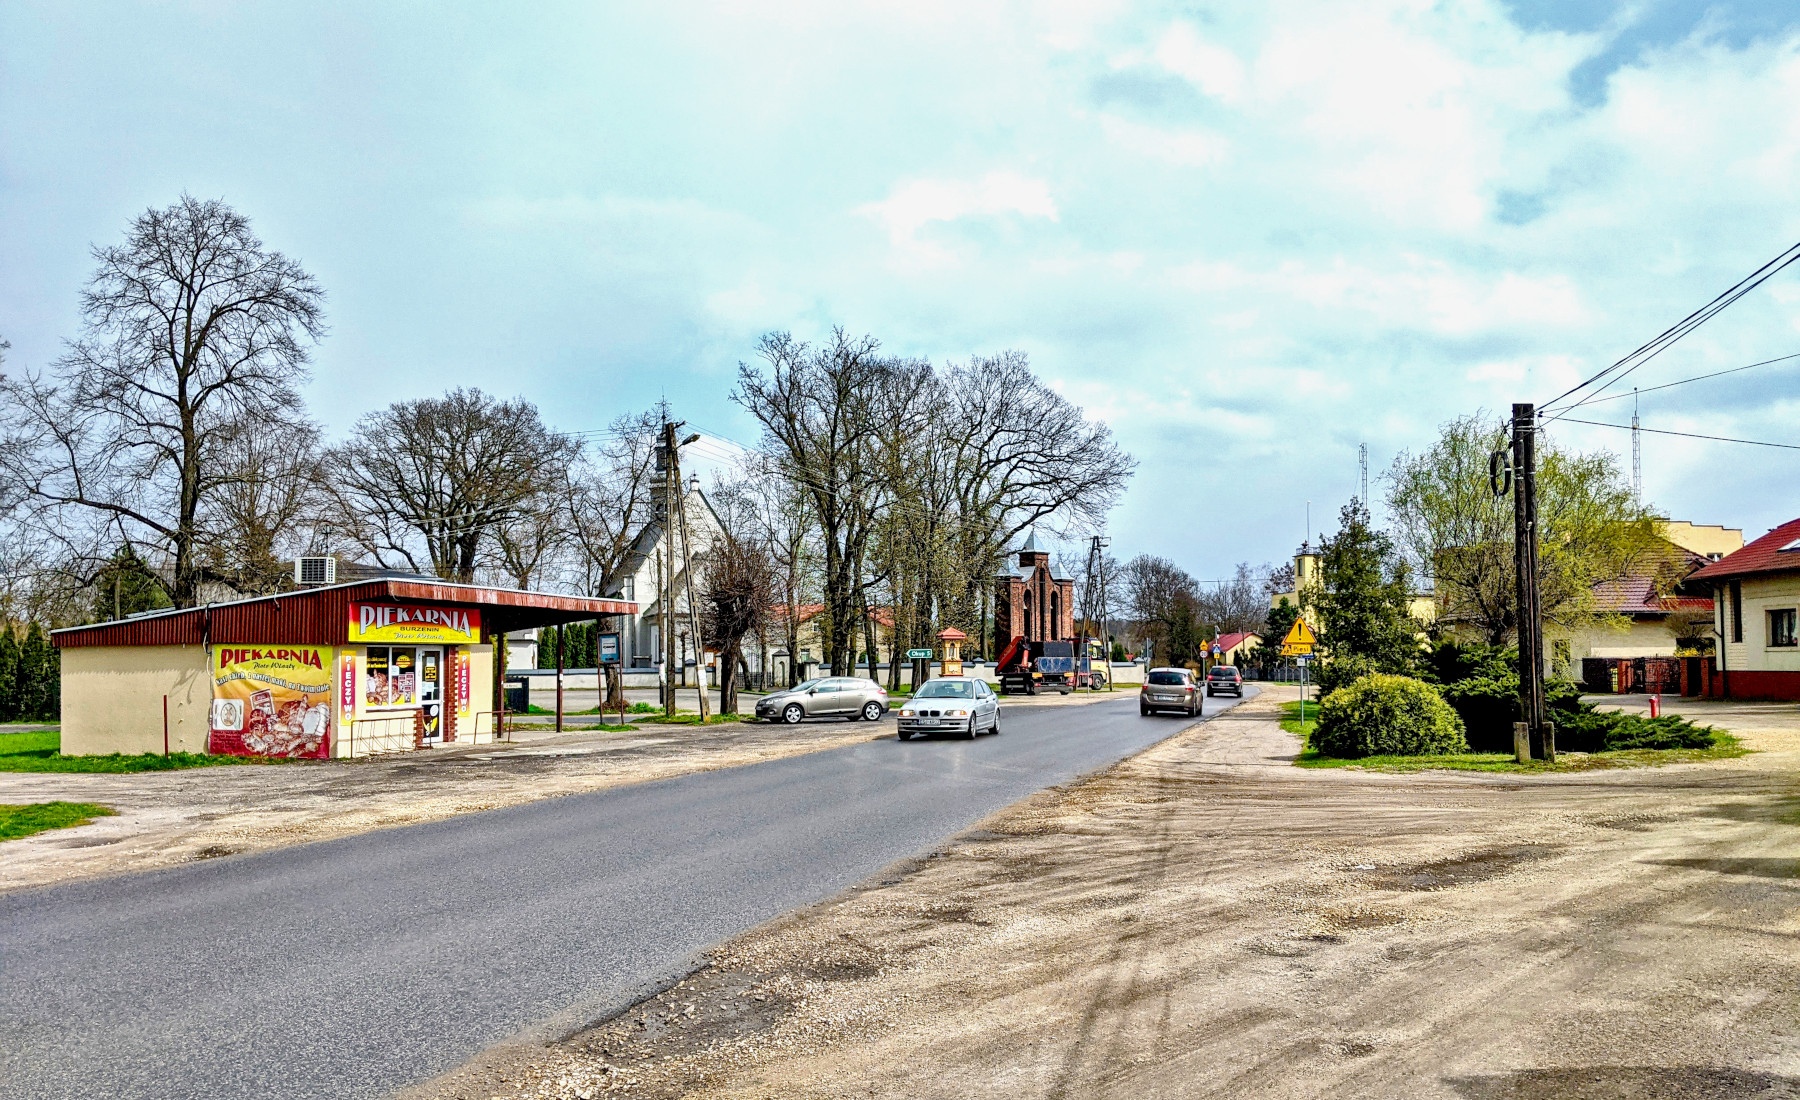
[(166, 818), (1206, 920)]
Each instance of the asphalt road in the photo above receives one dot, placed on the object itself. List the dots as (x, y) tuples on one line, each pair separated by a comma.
[(356, 967)]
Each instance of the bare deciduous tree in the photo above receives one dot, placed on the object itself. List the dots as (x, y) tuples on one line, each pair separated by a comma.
[(1161, 598), (195, 333), (816, 411), (610, 495), (427, 483), (735, 596)]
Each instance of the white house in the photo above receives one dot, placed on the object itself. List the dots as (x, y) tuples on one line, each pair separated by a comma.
[(641, 573)]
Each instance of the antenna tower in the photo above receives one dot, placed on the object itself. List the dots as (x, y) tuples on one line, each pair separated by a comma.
[(1637, 453), (1362, 461)]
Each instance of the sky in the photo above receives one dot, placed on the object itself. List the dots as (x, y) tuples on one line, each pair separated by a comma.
[(1249, 237)]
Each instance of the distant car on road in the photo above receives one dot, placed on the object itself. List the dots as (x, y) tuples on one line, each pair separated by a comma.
[(826, 697), (1170, 689), (961, 705), (1224, 678)]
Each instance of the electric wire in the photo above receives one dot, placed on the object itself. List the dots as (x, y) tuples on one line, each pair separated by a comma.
[(1690, 435), (1684, 381), (1669, 336)]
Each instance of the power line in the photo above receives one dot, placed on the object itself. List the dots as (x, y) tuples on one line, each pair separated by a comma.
[(1690, 435), (1667, 338), (1685, 381)]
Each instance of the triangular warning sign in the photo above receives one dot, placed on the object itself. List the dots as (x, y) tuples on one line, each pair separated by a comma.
[(1300, 639)]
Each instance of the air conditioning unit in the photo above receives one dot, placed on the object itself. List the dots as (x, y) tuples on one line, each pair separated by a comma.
[(313, 571)]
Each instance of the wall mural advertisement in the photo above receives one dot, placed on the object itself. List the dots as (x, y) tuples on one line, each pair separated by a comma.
[(414, 624), (271, 700)]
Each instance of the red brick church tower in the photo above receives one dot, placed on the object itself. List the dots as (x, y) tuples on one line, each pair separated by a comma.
[(1031, 601)]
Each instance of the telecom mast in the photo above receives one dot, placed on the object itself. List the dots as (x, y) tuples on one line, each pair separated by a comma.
[(1637, 453)]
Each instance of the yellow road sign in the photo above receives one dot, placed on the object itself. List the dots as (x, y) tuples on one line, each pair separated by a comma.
[(1300, 639)]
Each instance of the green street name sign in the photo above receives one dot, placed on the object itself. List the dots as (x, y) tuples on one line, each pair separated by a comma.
[(918, 654)]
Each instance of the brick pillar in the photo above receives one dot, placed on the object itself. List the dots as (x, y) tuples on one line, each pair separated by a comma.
[(448, 684)]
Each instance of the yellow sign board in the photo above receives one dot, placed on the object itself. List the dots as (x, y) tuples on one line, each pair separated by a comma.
[(271, 700), (1300, 639)]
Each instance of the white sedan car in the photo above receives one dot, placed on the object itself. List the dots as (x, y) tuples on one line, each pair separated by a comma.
[(962, 705)]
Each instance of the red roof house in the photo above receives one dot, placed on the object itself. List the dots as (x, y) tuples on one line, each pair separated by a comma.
[(1757, 594)]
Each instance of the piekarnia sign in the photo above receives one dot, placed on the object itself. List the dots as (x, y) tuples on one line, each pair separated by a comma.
[(414, 623)]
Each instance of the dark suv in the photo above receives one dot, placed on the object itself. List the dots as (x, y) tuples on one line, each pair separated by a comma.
[(1224, 678)]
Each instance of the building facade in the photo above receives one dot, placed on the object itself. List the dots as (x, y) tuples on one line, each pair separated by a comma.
[(1756, 616), (335, 671), (639, 581), (1032, 600)]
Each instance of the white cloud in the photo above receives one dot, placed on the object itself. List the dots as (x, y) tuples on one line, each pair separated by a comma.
[(915, 204)]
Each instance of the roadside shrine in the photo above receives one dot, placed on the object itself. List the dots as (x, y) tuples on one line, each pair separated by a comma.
[(338, 671)]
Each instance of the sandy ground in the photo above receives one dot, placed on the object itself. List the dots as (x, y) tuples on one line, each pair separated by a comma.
[(200, 813), (1205, 920)]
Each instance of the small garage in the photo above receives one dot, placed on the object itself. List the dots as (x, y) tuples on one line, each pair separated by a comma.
[(337, 671)]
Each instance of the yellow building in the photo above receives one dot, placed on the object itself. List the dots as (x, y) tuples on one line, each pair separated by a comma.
[(1307, 573)]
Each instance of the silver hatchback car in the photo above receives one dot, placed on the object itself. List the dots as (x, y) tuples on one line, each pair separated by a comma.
[(849, 697)]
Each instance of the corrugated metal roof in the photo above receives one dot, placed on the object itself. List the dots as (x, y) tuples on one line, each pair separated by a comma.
[(321, 616), (1769, 554)]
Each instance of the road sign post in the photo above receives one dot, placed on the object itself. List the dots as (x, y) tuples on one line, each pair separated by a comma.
[(1299, 644)]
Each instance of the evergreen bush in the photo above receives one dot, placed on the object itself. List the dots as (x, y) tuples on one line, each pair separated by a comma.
[(1382, 715), (30, 676)]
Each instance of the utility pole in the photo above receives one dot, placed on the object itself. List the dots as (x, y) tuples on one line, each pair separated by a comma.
[(687, 569), (1525, 564), (665, 459)]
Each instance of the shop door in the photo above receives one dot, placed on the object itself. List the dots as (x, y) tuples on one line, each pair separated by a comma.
[(431, 693)]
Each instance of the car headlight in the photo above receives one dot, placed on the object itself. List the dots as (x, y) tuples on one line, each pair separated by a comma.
[(957, 713), (906, 714)]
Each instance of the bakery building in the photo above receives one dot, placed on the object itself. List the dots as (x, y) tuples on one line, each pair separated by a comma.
[(343, 670)]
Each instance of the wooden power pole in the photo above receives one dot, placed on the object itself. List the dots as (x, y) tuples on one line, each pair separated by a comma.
[(1528, 597), (666, 597)]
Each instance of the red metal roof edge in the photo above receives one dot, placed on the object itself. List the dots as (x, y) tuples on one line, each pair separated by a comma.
[(165, 626), (1764, 555)]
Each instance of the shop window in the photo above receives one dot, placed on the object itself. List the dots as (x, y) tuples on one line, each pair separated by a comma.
[(391, 679), (1781, 626)]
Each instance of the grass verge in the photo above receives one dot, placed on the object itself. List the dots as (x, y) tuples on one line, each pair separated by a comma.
[(690, 719), (41, 752), (1727, 748), (38, 817)]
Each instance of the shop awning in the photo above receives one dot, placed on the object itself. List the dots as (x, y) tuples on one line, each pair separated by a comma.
[(322, 616)]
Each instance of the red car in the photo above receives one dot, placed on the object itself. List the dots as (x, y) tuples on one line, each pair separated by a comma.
[(1223, 678)]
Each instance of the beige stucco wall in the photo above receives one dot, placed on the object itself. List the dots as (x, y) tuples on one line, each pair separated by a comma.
[(112, 699), (1642, 638), (479, 721), (1705, 539), (1761, 595)]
